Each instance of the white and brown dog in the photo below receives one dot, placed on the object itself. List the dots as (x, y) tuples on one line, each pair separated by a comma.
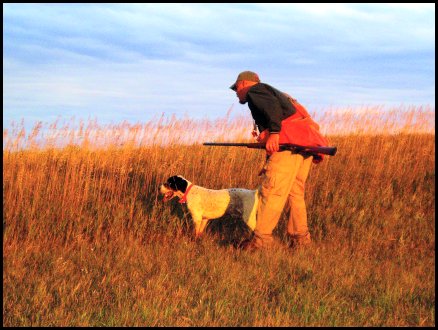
[(207, 204)]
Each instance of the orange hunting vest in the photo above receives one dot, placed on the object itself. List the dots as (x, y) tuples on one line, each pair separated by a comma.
[(301, 129)]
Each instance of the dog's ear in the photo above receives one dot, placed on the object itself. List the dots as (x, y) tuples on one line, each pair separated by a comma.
[(177, 183)]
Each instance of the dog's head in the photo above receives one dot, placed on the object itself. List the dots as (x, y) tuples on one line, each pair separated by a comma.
[(174, 186)]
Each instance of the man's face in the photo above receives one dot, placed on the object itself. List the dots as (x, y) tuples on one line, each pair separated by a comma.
[(241, 90)]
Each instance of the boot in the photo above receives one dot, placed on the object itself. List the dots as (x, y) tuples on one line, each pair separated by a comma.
[(300, 240)]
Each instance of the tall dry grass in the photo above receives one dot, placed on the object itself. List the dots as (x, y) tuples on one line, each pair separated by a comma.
[(87, 240)]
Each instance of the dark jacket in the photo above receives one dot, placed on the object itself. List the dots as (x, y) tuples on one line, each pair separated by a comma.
[(269, 107)]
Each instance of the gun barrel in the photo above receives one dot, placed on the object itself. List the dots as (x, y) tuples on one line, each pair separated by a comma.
[(331, 151), (226, 144)]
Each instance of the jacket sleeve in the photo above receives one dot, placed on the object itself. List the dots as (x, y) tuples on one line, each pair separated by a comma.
[(268, 106)]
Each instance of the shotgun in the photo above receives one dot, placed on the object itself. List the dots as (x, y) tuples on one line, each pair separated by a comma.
[(331, 151)]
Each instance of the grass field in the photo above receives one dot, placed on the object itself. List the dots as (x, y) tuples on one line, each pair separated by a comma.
[(87, 240)]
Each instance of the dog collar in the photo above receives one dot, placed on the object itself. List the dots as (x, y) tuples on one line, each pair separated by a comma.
[(184, 198)]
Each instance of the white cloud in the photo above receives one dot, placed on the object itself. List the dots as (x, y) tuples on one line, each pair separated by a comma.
[(118, 60)]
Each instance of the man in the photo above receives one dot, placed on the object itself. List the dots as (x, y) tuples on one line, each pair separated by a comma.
[(280, 119)]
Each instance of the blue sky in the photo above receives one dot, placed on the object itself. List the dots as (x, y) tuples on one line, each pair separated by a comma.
[(133, 62)]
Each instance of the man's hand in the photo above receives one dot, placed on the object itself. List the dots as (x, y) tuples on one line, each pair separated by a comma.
[(263, 136), (272, 144)]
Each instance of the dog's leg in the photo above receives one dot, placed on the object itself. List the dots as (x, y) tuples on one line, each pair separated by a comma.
[(251, 222), (201, 227), (200, 224), (250, 211)]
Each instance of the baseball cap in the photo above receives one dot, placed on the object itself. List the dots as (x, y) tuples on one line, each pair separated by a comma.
[(245, 75)]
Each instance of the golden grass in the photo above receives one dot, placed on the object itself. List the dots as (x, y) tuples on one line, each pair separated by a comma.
[(87, 240)]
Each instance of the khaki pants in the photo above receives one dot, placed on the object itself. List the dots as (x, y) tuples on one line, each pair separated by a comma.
[(283, 181)]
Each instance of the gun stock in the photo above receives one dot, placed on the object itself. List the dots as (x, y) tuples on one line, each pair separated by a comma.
[(331, 151)]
